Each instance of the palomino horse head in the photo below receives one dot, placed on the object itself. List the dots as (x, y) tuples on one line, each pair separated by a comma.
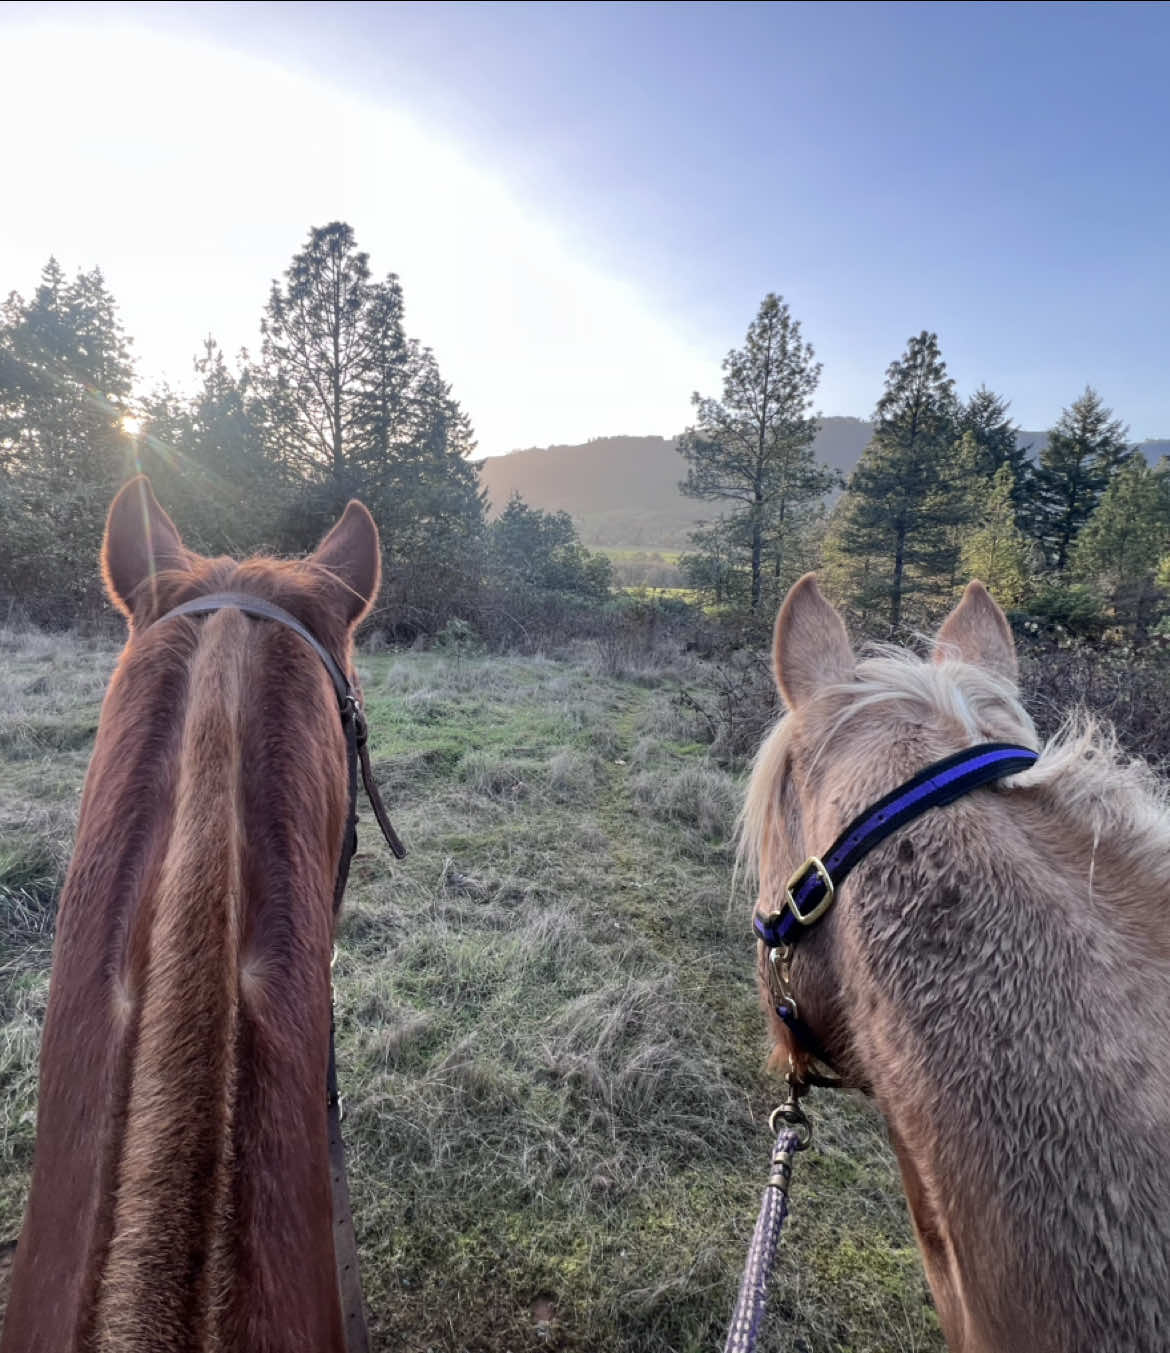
[(995, 975), (181, 1193)]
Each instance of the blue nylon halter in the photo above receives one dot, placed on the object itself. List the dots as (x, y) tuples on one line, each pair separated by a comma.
[(812, 889)]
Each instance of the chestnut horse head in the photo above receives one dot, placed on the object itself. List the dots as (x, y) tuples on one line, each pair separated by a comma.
[(995, 975), (181, 1193)]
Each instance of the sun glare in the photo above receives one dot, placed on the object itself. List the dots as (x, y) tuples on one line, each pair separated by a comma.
[(131, 426)]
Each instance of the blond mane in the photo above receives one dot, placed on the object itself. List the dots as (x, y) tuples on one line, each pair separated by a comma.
[(1096, 781)]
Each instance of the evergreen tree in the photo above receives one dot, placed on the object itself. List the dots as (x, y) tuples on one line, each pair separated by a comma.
[(385, 416), (67, 379), (997, 551), (715, 567), (537, 549), (909, 488), (314, 364), (428, 500), (1121, 546), (754, 447), (997, 443), (950, 510), (856, 579), (348, 406), (1085, 450), (1162, 582), (206, 459)]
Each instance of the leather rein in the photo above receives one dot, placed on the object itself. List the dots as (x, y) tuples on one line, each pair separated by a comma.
[(353, 723)]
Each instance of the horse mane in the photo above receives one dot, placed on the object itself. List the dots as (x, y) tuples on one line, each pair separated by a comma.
[(1108, 791)]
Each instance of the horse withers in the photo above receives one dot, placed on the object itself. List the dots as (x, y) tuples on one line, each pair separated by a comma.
[(181, 1189), (995, 975)]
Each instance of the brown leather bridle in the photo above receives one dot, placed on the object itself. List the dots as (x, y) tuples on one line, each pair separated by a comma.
[(353, 722)]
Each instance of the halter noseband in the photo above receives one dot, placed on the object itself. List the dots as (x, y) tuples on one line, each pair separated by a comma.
[(813, 888)]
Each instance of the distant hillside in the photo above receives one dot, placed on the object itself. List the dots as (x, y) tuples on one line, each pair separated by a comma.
[(623, 491)]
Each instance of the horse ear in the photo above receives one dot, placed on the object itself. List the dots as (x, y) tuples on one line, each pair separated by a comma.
[(352, 554), (140, 542), (810, 648), (978, 631)]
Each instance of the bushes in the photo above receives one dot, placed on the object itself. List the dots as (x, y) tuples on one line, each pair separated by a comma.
[(1129, 687)]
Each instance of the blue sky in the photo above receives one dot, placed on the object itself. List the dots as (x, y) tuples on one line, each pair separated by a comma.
[(586, 203)]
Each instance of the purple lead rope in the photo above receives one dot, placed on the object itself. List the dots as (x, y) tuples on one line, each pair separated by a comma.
[(748, 1319)]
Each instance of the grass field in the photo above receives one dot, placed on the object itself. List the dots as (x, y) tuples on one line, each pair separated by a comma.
[(548, 1037)]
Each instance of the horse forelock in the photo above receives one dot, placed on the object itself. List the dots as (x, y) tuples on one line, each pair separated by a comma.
[(857, 721), (1083, 770)]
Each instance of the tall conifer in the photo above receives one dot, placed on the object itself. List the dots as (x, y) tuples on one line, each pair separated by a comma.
[(908, 488), (1119, 550), (1085, 450), (753, 447)]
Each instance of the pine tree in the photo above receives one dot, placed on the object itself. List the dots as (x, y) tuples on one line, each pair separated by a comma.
[(1085, 450), (857, 580), (950, 510), (754, 447), (314, 359), (206, 458), (997, 441), (429, 502), (531, 548), (348, 406), (715, 567), (997, 551), (909, 488), (1162, 580), (1121, 546), (67, 382), (383, 405)]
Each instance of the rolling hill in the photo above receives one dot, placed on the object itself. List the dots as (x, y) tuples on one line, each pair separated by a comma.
[(623, 491)]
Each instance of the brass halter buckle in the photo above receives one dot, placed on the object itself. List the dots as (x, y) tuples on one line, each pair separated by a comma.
[(808, 917)]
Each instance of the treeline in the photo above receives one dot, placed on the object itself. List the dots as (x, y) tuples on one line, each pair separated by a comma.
[(1078, 537), (339, 402)]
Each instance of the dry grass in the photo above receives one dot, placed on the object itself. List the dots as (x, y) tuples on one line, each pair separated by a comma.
[(548, 1036)]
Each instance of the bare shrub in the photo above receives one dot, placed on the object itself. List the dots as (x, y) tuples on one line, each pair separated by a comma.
[(735, 704), (1130, 688)]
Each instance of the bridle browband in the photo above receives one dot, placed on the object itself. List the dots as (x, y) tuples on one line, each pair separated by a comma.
[(813, 888), (353, 718), (353, 722)]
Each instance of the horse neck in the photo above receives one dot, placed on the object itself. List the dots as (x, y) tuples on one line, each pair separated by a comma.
[(209, 1221), (1010, 1025)]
